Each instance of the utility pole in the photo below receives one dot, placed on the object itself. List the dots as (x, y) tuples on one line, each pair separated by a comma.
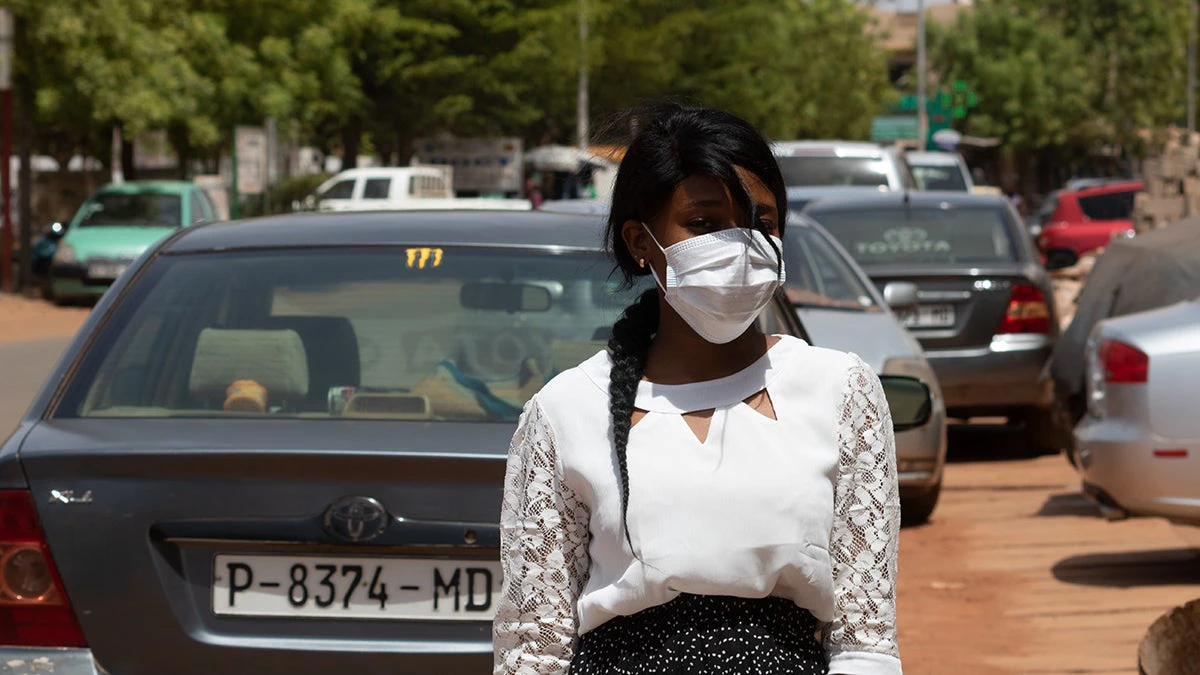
[(922, 112), (1191, 67), (6, 118), (581, 112)]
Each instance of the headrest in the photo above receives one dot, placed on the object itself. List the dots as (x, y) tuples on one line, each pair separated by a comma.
[(273, 358)]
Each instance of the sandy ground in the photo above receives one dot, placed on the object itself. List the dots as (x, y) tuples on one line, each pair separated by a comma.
[(23, 319), (1017, 573)]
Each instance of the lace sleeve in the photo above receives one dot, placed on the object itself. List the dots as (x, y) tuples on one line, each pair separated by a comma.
[(543, 549), (866, 530)]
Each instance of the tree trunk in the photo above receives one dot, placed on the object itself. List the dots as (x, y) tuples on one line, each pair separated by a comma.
[(128, 170), (351, 136), (25, 130)]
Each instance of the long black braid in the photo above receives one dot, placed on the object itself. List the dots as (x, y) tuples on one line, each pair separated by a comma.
[(628, 346), (671, 143)]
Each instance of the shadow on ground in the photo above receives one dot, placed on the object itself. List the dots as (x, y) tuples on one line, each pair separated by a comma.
[(1168, 567), (1068, 504), (985, 443)]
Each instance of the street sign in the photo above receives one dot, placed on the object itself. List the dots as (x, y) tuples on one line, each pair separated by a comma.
[(488, 165), (251, 151), (891, 128)]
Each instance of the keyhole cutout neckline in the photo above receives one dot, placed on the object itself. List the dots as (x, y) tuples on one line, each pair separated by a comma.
[(724, 392)]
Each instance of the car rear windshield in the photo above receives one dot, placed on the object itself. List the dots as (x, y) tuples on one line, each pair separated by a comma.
[(1110, 206), (832, 170), (455, 334), (896, 235), (947, 178), (136, 209), (820, 275)]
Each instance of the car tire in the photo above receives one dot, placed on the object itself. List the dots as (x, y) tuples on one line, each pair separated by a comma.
[(53, 296), (916, 506)]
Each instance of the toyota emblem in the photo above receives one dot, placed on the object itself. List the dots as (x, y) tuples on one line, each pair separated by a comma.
[(356, 519)]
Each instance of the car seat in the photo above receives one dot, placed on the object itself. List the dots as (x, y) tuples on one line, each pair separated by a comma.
[(331, 346)]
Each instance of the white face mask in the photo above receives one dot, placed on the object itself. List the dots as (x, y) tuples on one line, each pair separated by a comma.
[(720, 282)]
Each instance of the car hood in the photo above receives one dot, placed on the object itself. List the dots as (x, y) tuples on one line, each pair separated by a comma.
[(875, 336), (113, 241)]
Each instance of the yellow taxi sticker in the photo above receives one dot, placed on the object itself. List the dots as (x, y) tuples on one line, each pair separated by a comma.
[(421, 258)]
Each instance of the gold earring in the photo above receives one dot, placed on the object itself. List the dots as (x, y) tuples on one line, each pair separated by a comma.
[(642, 263)]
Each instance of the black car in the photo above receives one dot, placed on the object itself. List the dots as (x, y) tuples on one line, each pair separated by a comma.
[(984, 308)]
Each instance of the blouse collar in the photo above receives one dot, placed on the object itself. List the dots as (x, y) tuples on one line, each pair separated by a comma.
[(708, 394)]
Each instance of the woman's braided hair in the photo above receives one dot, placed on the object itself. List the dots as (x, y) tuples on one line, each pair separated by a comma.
[(672, 143)]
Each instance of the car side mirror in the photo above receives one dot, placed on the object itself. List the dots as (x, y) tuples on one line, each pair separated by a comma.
[(909, 400), (901, 295), (1061, 259)]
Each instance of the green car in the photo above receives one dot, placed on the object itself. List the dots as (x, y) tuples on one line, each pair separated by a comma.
[(114, 226)]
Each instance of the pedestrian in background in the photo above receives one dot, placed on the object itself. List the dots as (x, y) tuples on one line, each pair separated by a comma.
[(533, 192), (701, 497)]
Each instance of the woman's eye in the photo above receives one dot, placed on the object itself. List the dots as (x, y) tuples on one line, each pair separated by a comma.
[(766, 224), (703, 224)]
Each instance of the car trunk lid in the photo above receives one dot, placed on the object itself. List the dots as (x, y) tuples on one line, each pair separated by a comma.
[(957, 308), (165, 506)]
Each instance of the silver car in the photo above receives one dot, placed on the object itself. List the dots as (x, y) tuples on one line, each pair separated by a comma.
[(946, 171), (840, 308), (843, 163), (1138, 447)]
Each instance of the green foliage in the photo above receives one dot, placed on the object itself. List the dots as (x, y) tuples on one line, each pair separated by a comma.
[(343, 73), (1068, 73)]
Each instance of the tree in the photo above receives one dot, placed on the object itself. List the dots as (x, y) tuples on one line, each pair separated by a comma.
[(1035, 83)]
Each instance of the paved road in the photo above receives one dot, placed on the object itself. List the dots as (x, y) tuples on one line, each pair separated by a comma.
[(24, 366)]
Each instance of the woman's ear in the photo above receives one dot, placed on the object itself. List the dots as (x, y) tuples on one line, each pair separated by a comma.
[(638, 241)]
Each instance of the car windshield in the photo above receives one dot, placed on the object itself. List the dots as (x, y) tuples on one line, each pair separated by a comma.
[(440, 334), (136, 209), (819, 275), (947, 178), (897, 235), (832, 170)]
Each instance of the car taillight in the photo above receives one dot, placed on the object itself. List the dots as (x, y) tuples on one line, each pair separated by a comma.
[(1123, 364), (34, 610), (1027, 312)]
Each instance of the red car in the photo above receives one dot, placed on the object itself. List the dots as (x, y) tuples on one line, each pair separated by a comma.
[(1081, 221)]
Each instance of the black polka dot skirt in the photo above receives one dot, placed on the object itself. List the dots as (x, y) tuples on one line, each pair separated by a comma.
[(705, 635)]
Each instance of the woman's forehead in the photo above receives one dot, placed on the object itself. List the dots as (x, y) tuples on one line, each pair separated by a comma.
[(708, 191)]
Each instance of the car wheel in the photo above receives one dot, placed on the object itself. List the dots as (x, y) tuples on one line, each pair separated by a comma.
[(916, 506)]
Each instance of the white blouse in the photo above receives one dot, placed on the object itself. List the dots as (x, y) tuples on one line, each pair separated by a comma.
[(803, 506)]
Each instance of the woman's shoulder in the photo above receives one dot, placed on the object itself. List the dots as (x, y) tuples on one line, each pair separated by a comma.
[(798, 357)]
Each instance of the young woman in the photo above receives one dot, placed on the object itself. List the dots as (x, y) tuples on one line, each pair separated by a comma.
[(701, 498)]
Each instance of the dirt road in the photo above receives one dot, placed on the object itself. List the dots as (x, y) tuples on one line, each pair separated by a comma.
[(1016, 573)]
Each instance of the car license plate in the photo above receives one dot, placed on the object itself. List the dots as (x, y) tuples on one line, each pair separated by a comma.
[(928, 316), (105, 272), (355, 588)]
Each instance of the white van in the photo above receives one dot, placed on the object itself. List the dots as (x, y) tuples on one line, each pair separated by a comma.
[(400, 189)]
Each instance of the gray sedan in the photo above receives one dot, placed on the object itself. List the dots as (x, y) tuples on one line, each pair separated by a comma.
[(983, 306), (278, 445), (1138, 447), (840, 308)]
